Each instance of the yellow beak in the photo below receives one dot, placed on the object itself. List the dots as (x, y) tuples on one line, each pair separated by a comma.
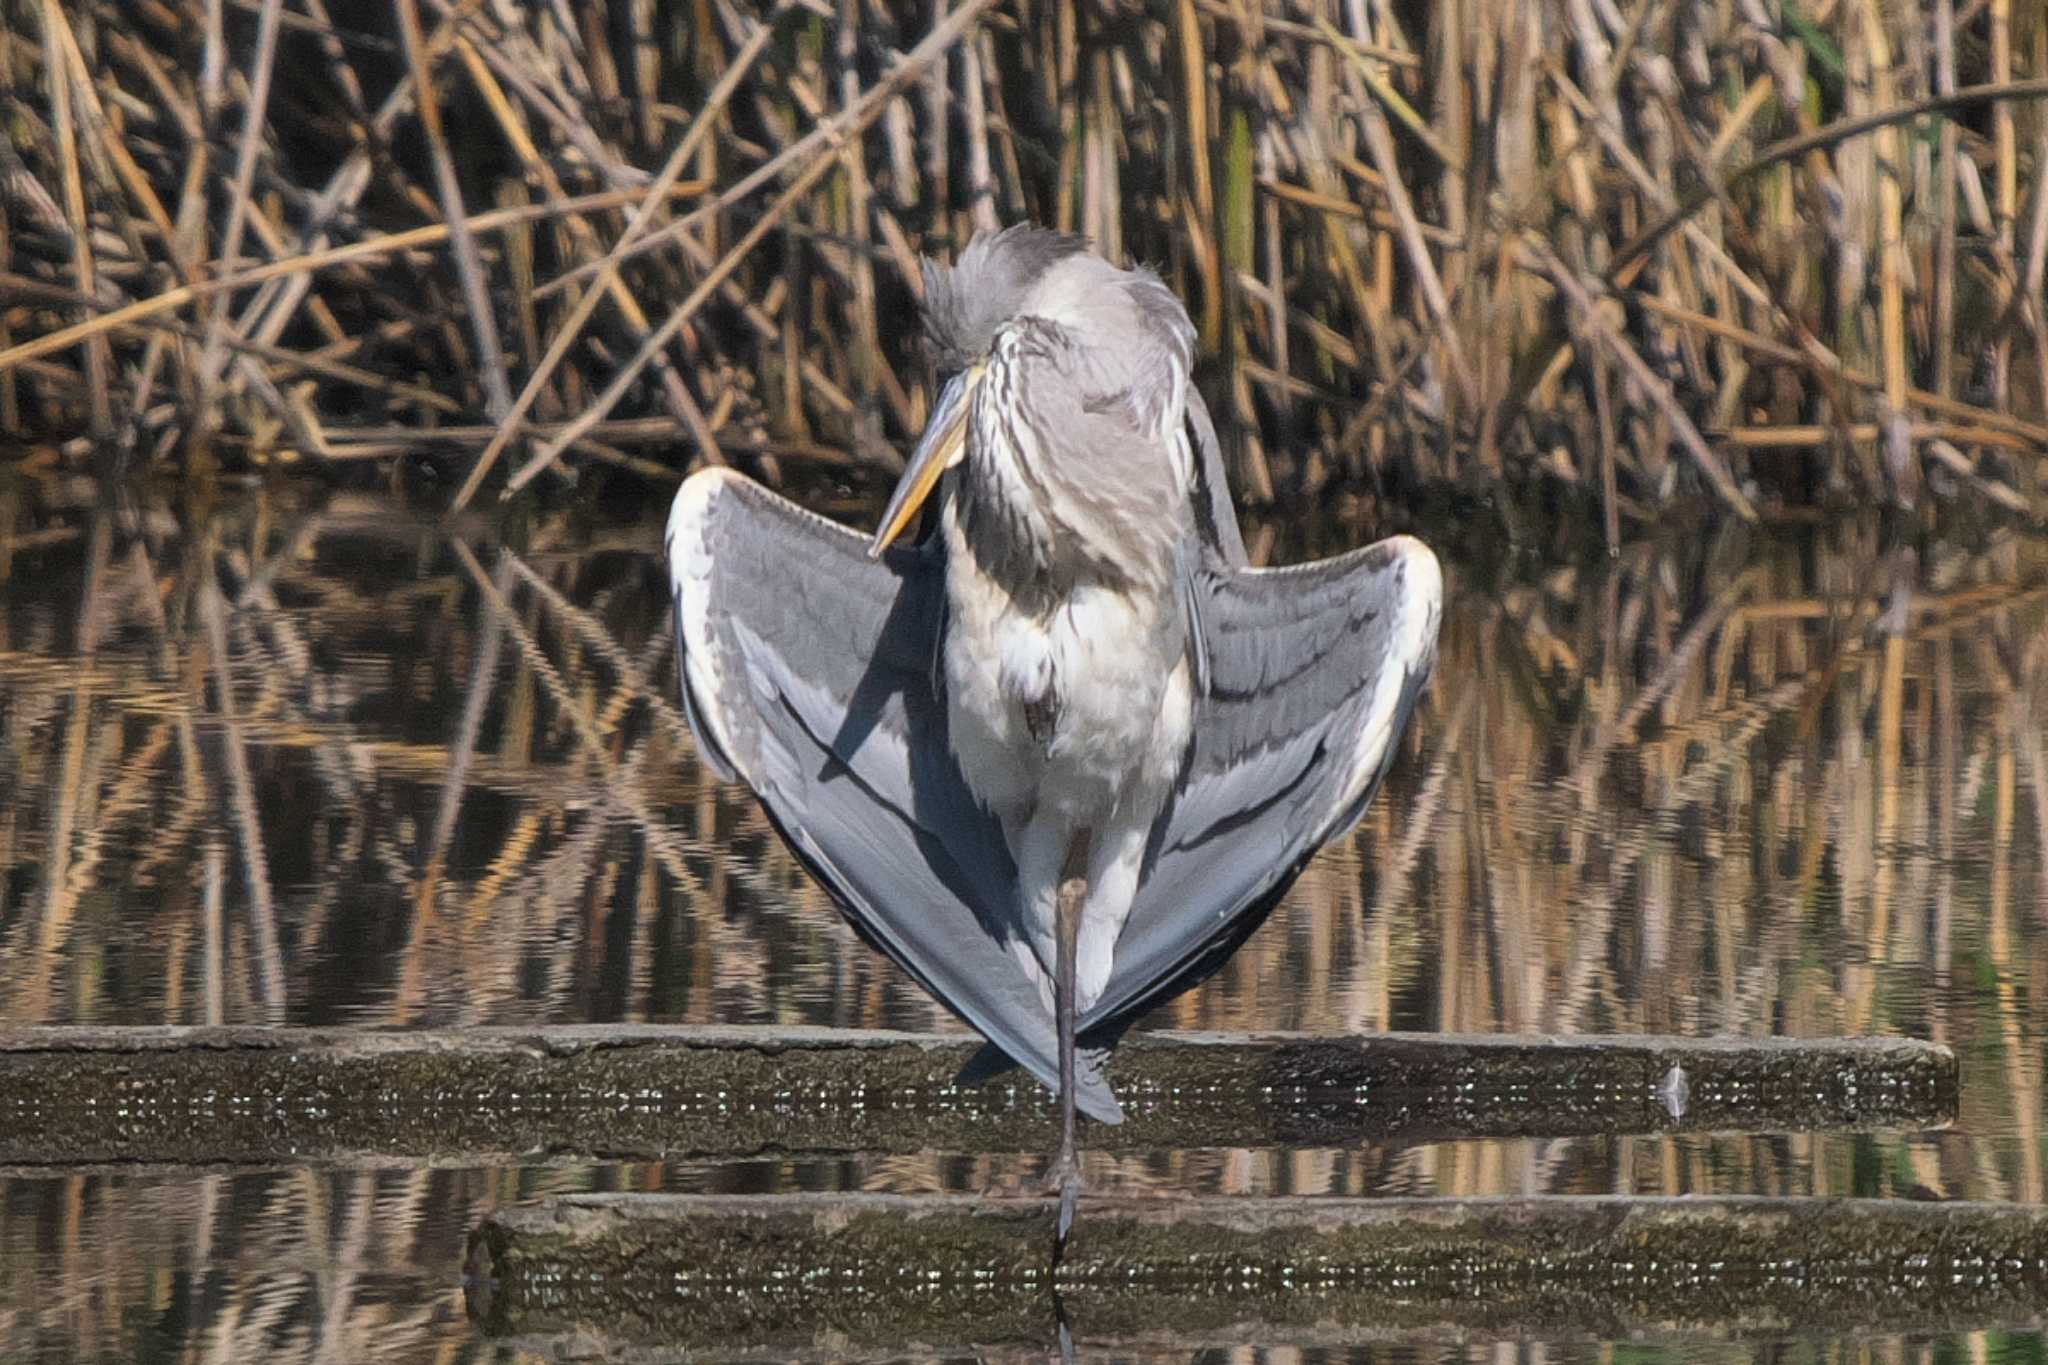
[(944, 445)]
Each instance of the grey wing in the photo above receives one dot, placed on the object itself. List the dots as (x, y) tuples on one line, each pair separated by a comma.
[(1313, 673), (1215, 518), (807, 674)]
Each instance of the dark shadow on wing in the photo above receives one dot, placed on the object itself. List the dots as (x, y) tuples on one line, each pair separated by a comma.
[(808, 671), (1215, 518), (1314, 672), (1302, 652)]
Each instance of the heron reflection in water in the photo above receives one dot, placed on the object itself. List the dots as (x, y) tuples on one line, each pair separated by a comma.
[(1074, 679)]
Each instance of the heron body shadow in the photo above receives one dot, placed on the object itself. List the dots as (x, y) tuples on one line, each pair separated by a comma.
[(952, 831)]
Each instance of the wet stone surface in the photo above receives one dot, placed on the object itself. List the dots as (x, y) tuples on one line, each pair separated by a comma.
[(434, 772), (192, 1096), (795, 1270)]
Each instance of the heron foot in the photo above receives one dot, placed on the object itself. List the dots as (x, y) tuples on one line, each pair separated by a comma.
[(1070, 1194), (1064, 1180)]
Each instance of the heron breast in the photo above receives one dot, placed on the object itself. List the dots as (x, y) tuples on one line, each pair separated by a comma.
[(1075, 709), (1107, 640), (1109, 669)]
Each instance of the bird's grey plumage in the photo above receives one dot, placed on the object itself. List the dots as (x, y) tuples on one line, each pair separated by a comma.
[(879, 708), (1314, 672), (808, 675), (1090, 359), (965, 306)]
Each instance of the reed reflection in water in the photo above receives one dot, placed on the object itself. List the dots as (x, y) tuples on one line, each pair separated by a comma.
[(298, 757)]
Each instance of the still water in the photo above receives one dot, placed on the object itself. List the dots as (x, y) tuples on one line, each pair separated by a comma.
[(291, 756)]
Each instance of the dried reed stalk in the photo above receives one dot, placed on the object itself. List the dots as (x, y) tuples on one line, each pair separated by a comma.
[(1340, 191)]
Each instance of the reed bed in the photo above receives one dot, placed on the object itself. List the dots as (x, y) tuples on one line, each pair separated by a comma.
[(1790, 787), (297, 755), (1754, 254)]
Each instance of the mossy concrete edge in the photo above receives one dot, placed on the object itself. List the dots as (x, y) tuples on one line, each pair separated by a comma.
[(255, 1096)]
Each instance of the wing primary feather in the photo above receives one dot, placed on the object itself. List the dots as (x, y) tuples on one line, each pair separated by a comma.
[(708, 748), (1215, 518), (810, 673), (1198, 638), (807, 673), (1315, 671)]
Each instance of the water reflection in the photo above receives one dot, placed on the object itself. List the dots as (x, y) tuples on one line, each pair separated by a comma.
[(291, 756)]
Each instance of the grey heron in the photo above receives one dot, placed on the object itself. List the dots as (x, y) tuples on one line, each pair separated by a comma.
[(1074, 671)]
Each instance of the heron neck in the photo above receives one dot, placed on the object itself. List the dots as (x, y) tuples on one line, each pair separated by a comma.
[(1001, 516)]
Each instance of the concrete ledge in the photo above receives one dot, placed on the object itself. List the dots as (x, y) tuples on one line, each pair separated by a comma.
[(258, 1096), (831, 1272)]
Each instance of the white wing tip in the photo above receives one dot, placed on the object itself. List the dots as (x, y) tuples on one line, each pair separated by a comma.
[(1423, 574), (1421, 599), (693, 502), (1411, 655), (689, 574)]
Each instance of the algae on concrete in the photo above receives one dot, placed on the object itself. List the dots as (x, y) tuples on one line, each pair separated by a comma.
[(769, 1272), (203, 1096)]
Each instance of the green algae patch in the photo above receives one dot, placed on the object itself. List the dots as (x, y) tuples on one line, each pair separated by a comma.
[(767, 1270), (822, 1272), (1322, 1091), (208, 1096)]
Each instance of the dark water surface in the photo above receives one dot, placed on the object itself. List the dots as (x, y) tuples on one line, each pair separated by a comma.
[(292, 756)]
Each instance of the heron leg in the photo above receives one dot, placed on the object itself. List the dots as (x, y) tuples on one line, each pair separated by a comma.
[(1066, 1164)]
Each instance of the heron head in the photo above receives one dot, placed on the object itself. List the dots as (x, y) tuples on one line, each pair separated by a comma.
[(994, 281), (964, 307), (1134, 338)]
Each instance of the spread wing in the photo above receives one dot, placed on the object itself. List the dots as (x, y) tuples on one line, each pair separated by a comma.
[(809, 674), (1313, 673), (1215, 518)]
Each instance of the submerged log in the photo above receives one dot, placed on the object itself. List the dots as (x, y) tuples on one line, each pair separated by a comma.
[(796, 1272), (203, 1096)]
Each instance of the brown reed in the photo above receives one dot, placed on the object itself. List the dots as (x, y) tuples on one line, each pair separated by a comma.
[(1762, 255)]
